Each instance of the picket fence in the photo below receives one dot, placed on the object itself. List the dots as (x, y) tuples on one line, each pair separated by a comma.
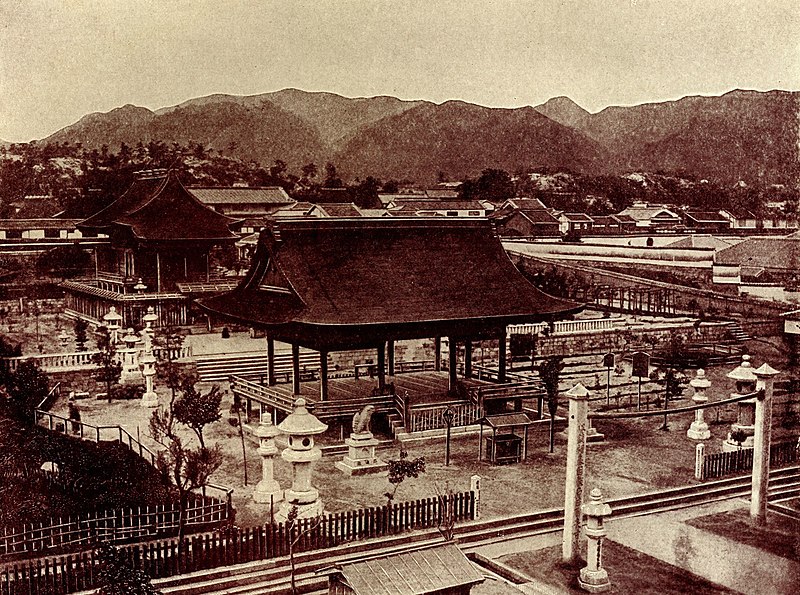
[(123, 524), (159, 559), (727, 463)]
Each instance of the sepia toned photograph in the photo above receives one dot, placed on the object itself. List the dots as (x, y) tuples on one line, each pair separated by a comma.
[(374, 297)]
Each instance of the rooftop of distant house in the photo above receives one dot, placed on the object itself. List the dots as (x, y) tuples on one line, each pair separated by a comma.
[(271, 195)]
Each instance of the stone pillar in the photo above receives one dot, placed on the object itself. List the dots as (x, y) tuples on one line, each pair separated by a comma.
[(323, 375), (270, 361), (437, 354), (360, 458), (390, 349), (467, 359), (699, 428), (745, 416), (268, 489), (382, 366), (301, 427), (295, 369), (475, 488), (699, 459), (452, 363), (501, 369), (761, 442), (593, 577), (576, 470)]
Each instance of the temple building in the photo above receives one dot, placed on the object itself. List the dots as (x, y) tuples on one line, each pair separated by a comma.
[(157, 254), (335, 285)]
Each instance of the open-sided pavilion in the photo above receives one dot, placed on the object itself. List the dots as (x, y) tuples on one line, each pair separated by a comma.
[(351, 284)]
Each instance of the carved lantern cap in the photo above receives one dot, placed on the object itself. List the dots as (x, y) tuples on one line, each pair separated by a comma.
[(700, 381), (130, 338), (766, 370), (596, 507), (300, 422), (578, 392), (113, 317), (266, 429), (743, 373), (151, 317)]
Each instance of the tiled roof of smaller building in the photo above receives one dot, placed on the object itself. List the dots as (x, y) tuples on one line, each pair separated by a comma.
[(706, 216), (413, 206), (578, 217), (48, 223), (538, 216), (271, 195), (415, 572), (35, 207), (647, 213), (345, 209), (769, 253)]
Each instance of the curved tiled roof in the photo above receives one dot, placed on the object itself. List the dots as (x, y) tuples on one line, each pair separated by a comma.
[(390, 272), (161, 209)]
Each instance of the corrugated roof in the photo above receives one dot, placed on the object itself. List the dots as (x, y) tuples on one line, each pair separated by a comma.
[(270, 195), (415, 572)]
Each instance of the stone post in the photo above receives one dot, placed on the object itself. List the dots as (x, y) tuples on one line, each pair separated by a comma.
[(301, 427), (576, 470), (267, 490), (699, 428), (761, 442), (475, 488), (593, 577), (699, 458)]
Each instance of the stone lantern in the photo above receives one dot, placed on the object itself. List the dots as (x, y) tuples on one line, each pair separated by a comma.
[(150, 397), (139, 287), (593, 577), (699, 428), (744, 426), (63, 337), (113, 323), (268, 489), (301, 427), (130, 367)]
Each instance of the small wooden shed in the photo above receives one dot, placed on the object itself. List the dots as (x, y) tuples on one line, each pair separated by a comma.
[(506, 446), (435, 570)]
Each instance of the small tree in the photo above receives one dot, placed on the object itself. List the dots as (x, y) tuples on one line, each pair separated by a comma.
[(108, 368), (292, 522), (550, 373), (81, 326), (400, 469), (187, 468), (27, 387), (196, 409), (116, 577)]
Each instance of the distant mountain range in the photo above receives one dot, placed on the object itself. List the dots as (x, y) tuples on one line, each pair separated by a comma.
[(746, 135)]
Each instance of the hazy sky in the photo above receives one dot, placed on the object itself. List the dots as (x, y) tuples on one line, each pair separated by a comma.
[(61, 59)]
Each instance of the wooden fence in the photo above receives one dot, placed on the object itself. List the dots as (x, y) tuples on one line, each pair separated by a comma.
[(727, 463), (203, 513), (158, 559)]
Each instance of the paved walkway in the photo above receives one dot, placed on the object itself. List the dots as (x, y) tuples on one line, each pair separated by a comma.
[(734, 565)]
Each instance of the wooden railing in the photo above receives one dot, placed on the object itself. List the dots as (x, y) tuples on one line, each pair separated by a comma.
[(163, 558), (348, 407), (738, 461), (430, 416), (261, 393), (86, 431), (124, 524)]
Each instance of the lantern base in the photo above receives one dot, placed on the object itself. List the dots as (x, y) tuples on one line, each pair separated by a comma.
[(698, 431), (361, 459), (150, 399), (594, 581), (267, 491), (304, 511)]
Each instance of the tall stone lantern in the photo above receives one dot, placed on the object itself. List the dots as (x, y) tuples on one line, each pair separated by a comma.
[(699, 428), (130, 365), (113, 322), (301, 427), (268, 489), (744, 427)]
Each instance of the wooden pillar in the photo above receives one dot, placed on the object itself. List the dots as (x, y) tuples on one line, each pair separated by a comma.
[(382, 365), (468, 359), (452, 365), (295, 369), (437, 354), (323, 375), (391, 358), (501, 369), (208, 269), (270, 361)]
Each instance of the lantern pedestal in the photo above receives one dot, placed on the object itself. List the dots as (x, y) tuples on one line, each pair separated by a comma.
[(268, 490), (360, 458)]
